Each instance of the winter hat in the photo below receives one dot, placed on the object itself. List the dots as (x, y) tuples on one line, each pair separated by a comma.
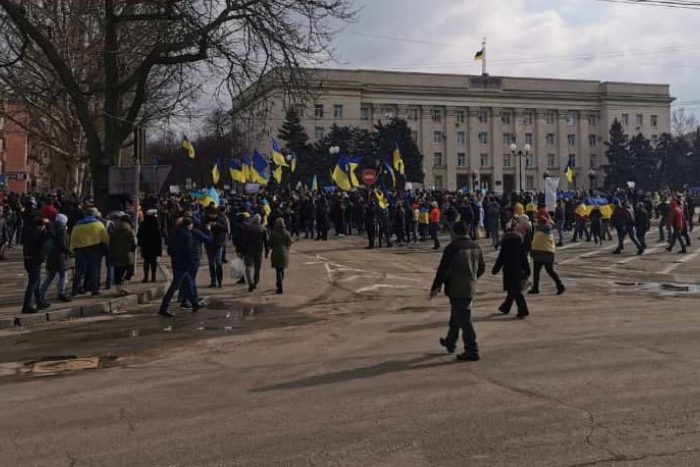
[(61, 219), (519, 209)]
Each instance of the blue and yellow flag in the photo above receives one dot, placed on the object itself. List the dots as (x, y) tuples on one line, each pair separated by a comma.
[(207, 197), (216, 172), (235, 169), (266, 209), (569, 172), (246, 163), (381, 199), (187, 146), (398, 161), (277, 156), (259, 169), (293, 163), (344, 173), (277, 174), (390, 171)]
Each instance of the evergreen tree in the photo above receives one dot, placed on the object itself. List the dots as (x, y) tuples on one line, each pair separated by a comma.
[(645, 163), (619, 169), (293, 135)]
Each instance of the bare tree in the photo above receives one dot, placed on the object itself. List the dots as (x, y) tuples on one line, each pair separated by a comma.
[(139, 61), (682, 123)]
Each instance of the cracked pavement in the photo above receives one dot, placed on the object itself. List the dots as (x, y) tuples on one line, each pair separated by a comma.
[(345, 369)]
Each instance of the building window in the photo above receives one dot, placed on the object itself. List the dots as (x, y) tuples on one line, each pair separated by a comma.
[(507, 160), (484, 160), (639, 119), (549, 139), (461, 159), (436, 115), (338, 111), (483, 116), (592, 120), (572, 140), (654, 120), (594, 161), (654, 140), (319, 131), (318, 111), (438, 182), (551, 161), (437, 136), (530, 182), (364, 114), (412, 114), (508, 139), (414, 135), (571, 119), (572, 160), (549, 118), (505, 118), (461, 137), (528, 138), (527, 118), (483, 137), (592, 141), (437, 159), (300, 110), (625, 119), (528, 161), (461, 116)]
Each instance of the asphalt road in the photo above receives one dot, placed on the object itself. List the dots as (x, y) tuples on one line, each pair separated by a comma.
[(345, 369)]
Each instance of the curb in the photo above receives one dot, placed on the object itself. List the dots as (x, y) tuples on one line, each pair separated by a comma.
[(114, 306)]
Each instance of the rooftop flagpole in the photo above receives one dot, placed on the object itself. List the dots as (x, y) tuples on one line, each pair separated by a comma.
[(483, 57)]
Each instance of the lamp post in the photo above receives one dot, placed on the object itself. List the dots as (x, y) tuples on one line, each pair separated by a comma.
[(591, 177), (520, 153), (475, 175)]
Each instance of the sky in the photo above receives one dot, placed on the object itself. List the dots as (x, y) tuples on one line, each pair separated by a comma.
[(576, 39)]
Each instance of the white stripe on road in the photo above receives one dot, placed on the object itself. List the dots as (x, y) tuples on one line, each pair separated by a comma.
[(631, 258), (588, 255), (680, 261)]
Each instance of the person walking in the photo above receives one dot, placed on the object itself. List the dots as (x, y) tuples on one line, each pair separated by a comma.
[(219, 230), (33, 248), (512, 259), (642, 224), (461, 265), (434, 224), (254, 242), (57, 259), (623, 221), (597, 225), (180, 249), (543, 252), (89, 241), (122, 245), (280, 242), (151, 244), (676, 222)]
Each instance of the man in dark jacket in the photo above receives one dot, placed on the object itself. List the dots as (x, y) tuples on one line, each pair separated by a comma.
[(57, 259), (219, 231), (33, 242), (180, 248), (461, 265), (254, 241), (623, 221), (642, 224)]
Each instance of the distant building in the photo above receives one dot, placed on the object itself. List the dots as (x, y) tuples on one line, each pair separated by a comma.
[(465, 125), (20, 172)]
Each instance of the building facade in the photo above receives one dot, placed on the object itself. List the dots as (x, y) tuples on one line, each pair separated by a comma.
[(465, 125)]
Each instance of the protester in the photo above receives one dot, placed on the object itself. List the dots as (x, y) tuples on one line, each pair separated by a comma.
[(434, 224), (57, 259), (512, 259), (122, 245), (462, 263), (217, 225), (280, 242), (89, 241), (180, 246), (33, 242), (254, 241), (543, 253), (150, 243)]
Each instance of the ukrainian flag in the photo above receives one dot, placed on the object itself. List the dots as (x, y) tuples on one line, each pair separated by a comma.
[(293, 166), (277, 174), (341, 178), (216, 172), (344, 173), (236, 171), (277, 156), (569, 172), (208, 197), (187, 146), (390, 171), (259, 169), (246, 163), (266, 209), (480, 55), (398, 161), (381, 199)]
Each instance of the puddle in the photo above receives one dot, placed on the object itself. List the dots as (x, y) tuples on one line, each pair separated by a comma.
[(664, 289)]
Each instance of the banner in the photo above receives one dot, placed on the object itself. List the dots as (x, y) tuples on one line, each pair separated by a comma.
[(551, 185)]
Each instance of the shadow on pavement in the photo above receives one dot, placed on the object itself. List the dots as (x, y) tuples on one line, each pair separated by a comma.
[(392, 366)]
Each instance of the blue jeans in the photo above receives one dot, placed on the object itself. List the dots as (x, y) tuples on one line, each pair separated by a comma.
[(461, 318), (92, 271), (191, 285), (80, 271), (182, 282), (61, 286), (33, 283)]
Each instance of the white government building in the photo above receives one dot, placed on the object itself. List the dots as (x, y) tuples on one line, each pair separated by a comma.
[(467, 126)]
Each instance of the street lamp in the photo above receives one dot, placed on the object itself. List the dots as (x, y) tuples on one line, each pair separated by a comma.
[(591, 177), (334, 150), (525, 152)]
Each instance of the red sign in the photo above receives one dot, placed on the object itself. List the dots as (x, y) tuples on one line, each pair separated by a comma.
[(369, 177)]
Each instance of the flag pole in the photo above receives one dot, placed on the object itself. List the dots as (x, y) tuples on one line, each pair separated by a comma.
[(483, 57)]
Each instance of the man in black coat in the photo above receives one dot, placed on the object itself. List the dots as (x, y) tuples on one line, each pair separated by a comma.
[(33, 243), (254, 242), (180, 248), (512, 258)]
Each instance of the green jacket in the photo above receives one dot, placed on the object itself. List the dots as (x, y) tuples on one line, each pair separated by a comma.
[(280, 241), (122, 245), (461, 265)]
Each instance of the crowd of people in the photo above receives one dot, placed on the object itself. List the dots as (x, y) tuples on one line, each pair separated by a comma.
[(62, 233)]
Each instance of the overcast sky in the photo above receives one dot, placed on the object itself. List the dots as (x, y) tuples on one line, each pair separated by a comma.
[(585, 39)]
